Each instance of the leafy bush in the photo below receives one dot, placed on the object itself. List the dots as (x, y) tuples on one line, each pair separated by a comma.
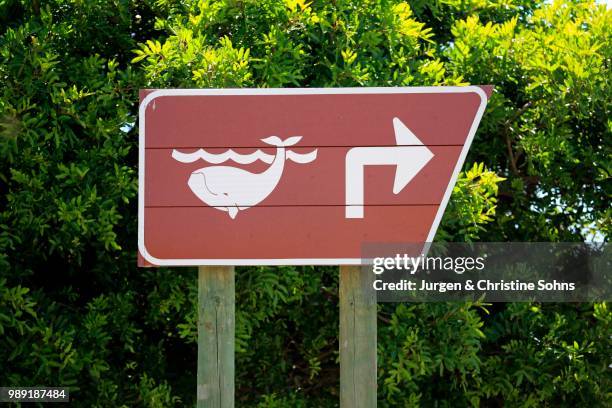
[(75, 310)]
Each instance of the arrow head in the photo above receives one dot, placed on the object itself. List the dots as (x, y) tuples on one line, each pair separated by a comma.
[(410, 162), (403, 135), (411, 159)]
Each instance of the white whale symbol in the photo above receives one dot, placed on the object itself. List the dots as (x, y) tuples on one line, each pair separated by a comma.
[(233, 189)]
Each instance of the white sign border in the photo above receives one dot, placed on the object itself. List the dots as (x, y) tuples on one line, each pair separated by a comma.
[(293, 91)]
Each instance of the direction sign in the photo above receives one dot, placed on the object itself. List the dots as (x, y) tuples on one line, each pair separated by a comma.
[(296, 176)]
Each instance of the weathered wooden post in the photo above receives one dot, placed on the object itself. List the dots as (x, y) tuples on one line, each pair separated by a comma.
[(216, 327), (357, 338)]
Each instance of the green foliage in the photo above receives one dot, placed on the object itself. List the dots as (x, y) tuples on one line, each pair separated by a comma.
[(473, 205), (75, 310), (438, 341), (547, 130)]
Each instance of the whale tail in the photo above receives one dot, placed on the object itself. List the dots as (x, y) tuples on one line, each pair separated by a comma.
[(301, 158), (276, 141)]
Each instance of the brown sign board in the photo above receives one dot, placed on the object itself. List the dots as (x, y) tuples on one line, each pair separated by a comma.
[(296, 176)]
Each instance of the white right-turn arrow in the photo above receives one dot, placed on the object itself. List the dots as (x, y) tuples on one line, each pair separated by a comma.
[(409, 157)]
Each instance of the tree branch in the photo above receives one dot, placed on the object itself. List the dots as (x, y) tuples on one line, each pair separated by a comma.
[(507, 136)]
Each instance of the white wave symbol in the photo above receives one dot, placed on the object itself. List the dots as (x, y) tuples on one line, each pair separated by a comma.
[(202, 154)]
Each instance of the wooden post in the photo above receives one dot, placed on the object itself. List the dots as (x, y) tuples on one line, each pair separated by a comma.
[(216, 327), (357, 338)]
